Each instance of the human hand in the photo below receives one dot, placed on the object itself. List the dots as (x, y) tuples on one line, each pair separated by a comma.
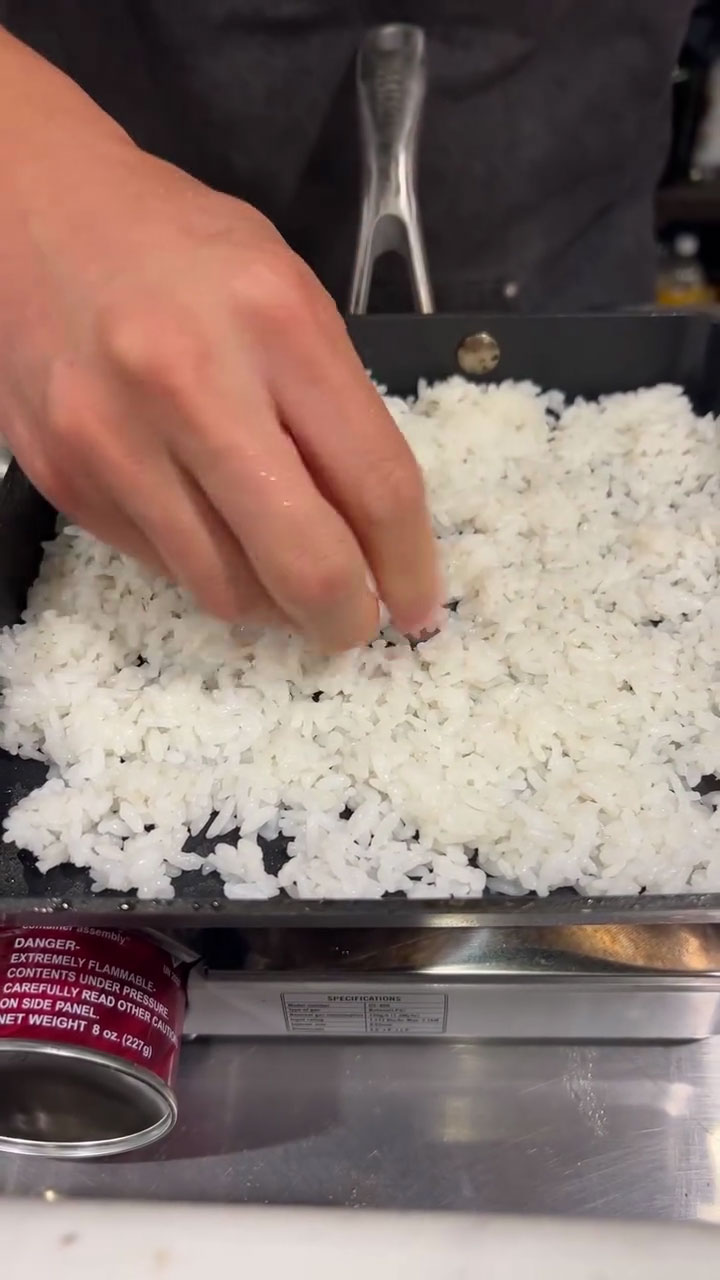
[(175, 380)]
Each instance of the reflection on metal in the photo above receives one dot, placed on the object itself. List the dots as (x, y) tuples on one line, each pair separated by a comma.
[(477, 354), (564, 949), (391, 90), (619, 1131), (581, 983), (709, 1208)]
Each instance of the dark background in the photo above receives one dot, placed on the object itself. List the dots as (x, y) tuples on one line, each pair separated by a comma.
[(686, 200)]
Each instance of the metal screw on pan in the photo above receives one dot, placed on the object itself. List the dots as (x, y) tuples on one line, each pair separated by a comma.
[(478, 353)]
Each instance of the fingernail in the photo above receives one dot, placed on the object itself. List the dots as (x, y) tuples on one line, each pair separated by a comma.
[(427, 626)]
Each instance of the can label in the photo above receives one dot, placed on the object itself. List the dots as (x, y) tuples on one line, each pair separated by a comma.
[(102, 989)]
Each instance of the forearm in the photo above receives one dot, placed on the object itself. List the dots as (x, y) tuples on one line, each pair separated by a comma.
[(40, 110), (55, 146)]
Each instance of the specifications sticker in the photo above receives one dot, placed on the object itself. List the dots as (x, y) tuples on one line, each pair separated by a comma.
[(344, 1014)]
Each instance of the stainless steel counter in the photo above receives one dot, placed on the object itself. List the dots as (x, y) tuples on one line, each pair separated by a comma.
[(609, 1131)]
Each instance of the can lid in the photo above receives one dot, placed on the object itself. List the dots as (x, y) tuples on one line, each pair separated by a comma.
[(68, 1103)]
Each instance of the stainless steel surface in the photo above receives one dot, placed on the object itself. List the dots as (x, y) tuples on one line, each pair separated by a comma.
[(562, 949), (562, 907), (588, 983), (477, 354), (606, 1131), (391, 89), (70, 1102), (546, 1008)]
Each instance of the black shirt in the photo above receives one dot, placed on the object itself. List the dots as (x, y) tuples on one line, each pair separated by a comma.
[(545, 129)]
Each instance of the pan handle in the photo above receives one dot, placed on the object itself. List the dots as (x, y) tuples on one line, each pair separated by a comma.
[(391, 88)]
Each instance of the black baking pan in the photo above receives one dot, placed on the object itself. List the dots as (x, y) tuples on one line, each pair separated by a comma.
[(582, 355)]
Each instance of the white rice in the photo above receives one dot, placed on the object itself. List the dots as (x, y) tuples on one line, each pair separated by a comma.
[(550, 726)]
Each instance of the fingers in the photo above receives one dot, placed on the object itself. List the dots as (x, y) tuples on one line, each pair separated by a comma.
[(248, 454), (113, 527), (107, 467), (362, 463), (69, 493), (300, 548), (200, 551), (208, 402)]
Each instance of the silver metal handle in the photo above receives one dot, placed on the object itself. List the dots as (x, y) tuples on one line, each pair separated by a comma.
[(391, 90)]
